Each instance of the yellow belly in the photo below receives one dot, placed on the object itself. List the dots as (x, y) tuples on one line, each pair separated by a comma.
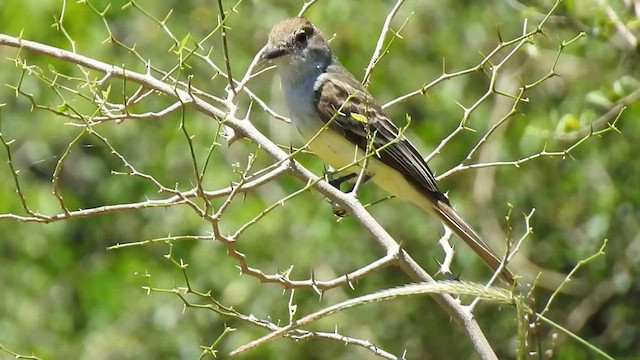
[(340, 152)]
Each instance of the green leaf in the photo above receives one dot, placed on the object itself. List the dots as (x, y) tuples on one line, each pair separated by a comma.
[(359, 117), (63, 107)]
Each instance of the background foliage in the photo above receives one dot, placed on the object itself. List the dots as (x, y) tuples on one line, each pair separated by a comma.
[(66, 296)]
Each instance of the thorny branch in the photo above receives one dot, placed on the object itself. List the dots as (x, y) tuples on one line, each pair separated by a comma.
[(183, 95)]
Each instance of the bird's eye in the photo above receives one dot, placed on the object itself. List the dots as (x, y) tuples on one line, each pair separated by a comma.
[(301, 37), (304, 35)]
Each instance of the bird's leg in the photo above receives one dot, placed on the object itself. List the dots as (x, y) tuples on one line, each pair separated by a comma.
[(337, 182), (337, 209)]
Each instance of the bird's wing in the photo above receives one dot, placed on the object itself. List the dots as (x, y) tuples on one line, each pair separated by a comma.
[(363, 122)]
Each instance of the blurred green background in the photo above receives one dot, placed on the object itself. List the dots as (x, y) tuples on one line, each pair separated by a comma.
[(65, 296)]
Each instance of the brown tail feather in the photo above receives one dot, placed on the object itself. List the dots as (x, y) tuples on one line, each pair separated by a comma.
[(455, 222)]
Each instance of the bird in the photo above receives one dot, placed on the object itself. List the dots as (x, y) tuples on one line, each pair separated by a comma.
[(344, 124)]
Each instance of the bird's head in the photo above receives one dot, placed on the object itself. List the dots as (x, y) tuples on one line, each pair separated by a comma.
[(295, 43)]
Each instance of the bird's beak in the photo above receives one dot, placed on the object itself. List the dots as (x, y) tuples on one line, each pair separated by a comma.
[(273, 51)]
